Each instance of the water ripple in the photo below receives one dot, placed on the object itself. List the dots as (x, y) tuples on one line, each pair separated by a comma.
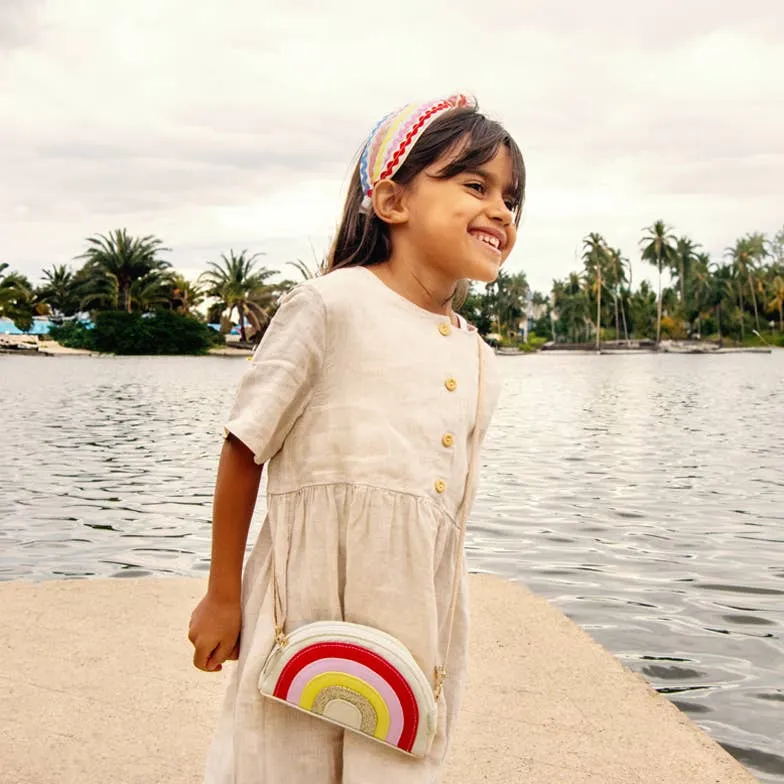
[(644, 495)]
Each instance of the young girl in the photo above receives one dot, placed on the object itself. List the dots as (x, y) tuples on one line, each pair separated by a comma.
[(362, 400)]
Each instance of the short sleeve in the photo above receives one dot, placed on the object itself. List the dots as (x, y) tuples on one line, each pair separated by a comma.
[(284, 372)]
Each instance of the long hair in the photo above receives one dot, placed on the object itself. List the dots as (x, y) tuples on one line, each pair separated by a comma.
[(363, 239)]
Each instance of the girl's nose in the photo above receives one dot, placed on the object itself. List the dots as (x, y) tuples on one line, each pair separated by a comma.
[(500, 212)]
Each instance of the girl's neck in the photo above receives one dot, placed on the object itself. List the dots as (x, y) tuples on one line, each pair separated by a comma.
[(417, 286)]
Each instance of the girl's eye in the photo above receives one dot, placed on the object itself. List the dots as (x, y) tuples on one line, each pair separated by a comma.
[(510, 204), (477, 186)]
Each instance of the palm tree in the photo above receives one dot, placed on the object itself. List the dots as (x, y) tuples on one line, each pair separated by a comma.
[(747, 253), (723, 294), (8, 288), (658, 249), (570, 305), (94, 289), (303, 269), (596, 258), (506, 297), (758, 245), (742, 257), (151, 292), (477, 309), (123, 259), (516, 293), (777, 300), (308, 272), (540, 309), (702, 287), (776, 248), (59, 291), (642, 310), (238, 284), (618, 266), (319, 266), (184, 295), (16, 298), (686, 256)]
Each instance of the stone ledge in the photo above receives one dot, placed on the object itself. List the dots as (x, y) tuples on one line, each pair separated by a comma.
[(98, 686)]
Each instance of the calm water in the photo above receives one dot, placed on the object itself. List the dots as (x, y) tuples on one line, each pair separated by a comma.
[(644, 495)]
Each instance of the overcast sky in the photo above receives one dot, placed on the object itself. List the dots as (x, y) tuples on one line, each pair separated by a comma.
[(223, 124)]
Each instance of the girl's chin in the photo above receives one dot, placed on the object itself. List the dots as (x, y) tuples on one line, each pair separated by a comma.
[(479, 270), (484, 273)]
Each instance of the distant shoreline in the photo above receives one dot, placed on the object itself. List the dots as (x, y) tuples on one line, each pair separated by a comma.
[(589, 351), (640, 347), (50, 348)]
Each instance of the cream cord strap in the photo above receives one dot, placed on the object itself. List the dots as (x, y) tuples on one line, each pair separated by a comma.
[(473, 470), (278, 596)]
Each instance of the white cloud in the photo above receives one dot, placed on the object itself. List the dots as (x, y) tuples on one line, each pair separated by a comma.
[(233, 124)]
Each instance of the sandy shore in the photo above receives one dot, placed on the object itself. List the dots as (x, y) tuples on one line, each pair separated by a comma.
[(98, 686), (51, 348), (227, 351)]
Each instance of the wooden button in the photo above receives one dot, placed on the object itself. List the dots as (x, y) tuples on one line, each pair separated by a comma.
[(451, 384), (448, 440), (445, 329), (440, 486)]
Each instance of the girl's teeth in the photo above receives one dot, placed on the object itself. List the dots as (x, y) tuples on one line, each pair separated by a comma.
[(492, 241)]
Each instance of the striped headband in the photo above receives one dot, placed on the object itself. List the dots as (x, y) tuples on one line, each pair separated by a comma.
[(393, 138)]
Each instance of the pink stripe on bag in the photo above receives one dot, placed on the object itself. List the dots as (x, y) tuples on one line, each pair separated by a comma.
[(321, 666)]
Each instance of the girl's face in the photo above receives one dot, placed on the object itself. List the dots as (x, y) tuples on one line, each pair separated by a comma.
[(462, 227)]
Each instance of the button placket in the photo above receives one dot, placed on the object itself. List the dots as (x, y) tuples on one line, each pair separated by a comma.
[(447, 439)]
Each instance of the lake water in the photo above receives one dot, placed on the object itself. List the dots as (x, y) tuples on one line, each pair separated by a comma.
[(642, 494)]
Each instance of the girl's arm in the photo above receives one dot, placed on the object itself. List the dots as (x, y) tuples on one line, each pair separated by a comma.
[(216, 622)]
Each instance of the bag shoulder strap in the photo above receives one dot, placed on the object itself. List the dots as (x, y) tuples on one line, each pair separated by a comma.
[(279, 609), (465, 508)]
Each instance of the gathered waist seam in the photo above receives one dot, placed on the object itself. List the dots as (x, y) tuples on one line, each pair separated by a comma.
[(416, 496)]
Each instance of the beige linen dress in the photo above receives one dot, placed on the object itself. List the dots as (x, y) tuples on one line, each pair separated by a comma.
[(362, 404)]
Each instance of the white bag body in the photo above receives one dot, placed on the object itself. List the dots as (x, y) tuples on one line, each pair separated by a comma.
[(357, 677)]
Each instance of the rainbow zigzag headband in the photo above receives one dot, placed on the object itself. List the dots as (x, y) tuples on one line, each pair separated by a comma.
[(393, 138)]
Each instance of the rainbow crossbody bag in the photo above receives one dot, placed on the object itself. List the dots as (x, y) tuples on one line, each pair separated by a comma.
[(359, 677)]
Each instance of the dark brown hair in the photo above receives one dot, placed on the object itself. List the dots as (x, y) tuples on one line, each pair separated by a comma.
[(363, 238)]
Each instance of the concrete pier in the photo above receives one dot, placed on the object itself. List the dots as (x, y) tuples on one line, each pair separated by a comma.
[(97, 686)]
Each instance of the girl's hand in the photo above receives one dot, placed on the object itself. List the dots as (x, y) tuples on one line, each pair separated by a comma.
[(214, 630)]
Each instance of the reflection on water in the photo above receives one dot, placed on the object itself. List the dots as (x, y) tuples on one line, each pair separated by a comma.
[(644, 495)]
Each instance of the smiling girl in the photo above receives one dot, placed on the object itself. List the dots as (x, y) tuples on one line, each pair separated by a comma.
[(368, 400)]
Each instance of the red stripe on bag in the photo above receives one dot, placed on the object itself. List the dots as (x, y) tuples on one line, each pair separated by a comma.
[(324, 650)]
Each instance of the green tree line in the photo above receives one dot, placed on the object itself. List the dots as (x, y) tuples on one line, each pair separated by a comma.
[(730, 298), (119, 272)]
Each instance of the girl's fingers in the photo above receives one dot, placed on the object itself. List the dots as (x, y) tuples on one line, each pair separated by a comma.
[(206, 653), (202, 654), (199, 656), (218, 656), (235, 652)]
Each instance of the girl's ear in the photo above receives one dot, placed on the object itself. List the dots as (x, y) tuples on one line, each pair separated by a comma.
[(389, 202)]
